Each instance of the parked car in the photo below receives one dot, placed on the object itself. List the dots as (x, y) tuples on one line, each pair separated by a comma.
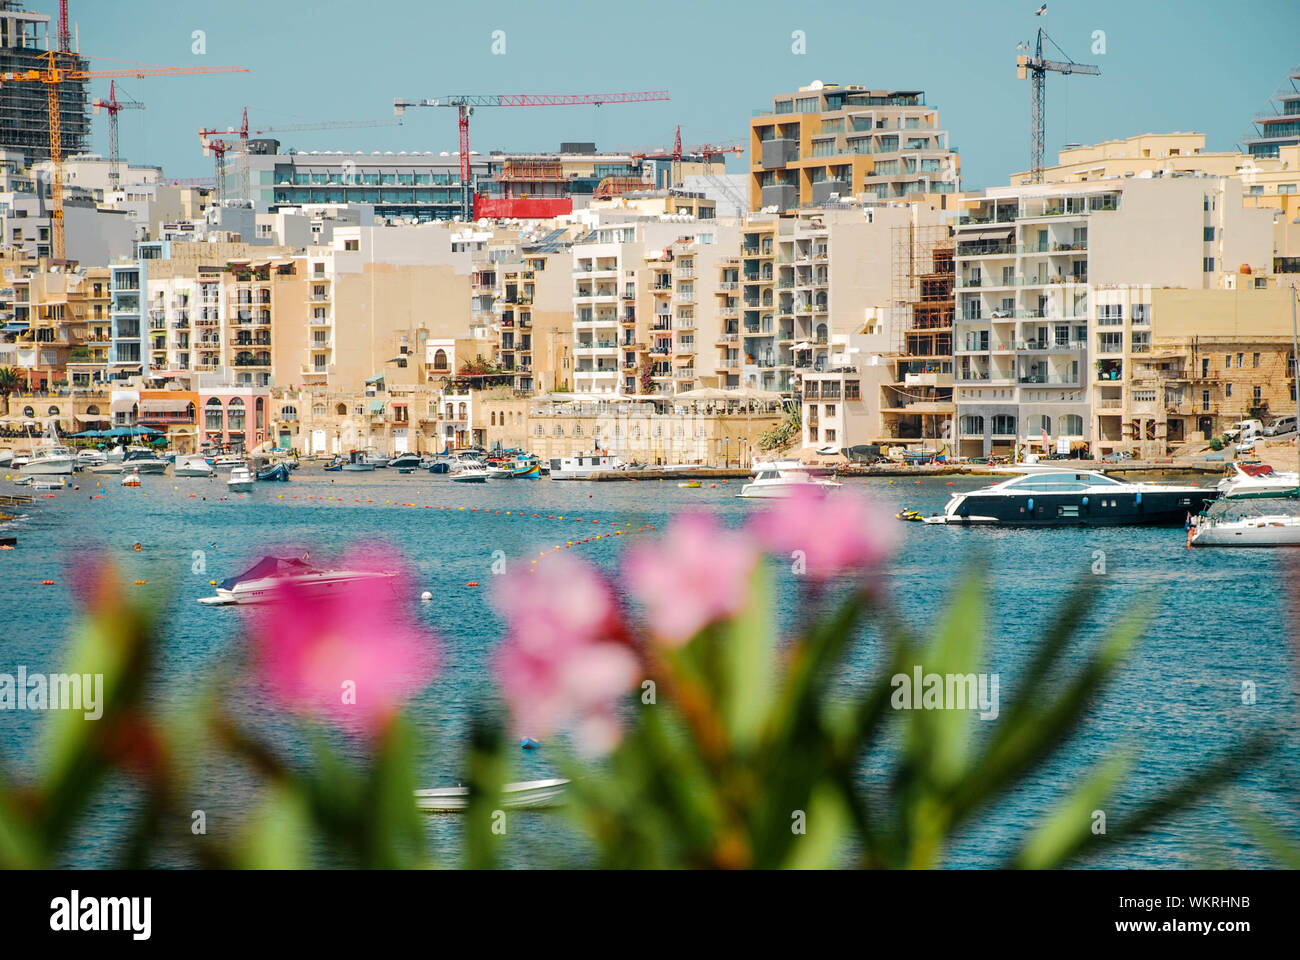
[(1280, 427)]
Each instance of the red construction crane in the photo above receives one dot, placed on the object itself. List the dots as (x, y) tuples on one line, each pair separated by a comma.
[(218, 149), (114, 106), (242, 132), (706, 151), (65, 37), (54, 76), (465, 104)]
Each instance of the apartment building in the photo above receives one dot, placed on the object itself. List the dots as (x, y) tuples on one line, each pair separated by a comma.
[(1278, 126), (644, 306), (59, 325), (807, 278), (1205, 359), (1036, 342), (828, 141)]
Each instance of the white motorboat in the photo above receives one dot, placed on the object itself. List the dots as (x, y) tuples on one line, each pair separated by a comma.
[(143, 461), (193, 465), (91, 457), (1071, 497), (471, 471), (229, 461), (405, 460), (1248, 521), (774, 479), (583, 466), (374, 458), (530, 794), (36, 483), (241, 480), (55, 460), (117, 453), (6, 456), (1257, 478), (259, 583)]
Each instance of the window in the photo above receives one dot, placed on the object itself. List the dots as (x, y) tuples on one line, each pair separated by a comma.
[(972, 425), (1258, 394), (352, 245), (1255, 360), (852, 390), (830, 410), (830, 436), (1227, 390), (1004, 424), (1208, 266), (1241, 360), (1208, 234)]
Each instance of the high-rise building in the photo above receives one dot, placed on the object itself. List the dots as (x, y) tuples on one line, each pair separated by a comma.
[(1280, 126), (24, 42), (839, 141)]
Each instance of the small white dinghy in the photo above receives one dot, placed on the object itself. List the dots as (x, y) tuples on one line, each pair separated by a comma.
[(530, 794)]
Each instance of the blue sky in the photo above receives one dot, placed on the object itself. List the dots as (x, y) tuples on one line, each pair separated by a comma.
[(1168, 65)]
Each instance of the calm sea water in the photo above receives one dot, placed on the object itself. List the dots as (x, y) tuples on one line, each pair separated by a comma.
[(1221, 621)]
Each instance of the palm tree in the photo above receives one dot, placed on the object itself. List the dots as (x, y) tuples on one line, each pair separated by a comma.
[(10, 381)]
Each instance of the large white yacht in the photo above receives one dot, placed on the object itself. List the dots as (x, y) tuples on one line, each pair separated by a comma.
[(1248, 521), (51, 460), (783, 478)]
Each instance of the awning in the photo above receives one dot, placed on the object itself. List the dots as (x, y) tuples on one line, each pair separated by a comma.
[(1001, 233), (378, 379), (91, 418), (376, 406), (16, 326)]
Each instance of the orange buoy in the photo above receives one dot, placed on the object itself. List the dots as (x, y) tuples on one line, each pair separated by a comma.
[(472, 583)]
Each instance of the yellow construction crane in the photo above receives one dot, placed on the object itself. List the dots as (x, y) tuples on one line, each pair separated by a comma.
[(53, 76)]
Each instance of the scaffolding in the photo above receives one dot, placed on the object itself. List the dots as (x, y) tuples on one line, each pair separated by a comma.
[(918, 404), (25, 106)]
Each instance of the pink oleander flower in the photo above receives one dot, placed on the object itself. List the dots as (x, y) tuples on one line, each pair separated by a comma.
[(352, 656), (843, 533), (564, 663), (698, 573)]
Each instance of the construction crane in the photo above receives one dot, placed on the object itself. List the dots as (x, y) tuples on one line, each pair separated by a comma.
[(53, 76), (114, 107), (706, 152), (243, 132), (218, 149), (465, 104), (1036, 68)]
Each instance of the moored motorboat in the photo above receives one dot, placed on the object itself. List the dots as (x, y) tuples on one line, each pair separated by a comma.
[(91, 457), (404, 460), (241, 479), (1066, 497), (260, 583), (774, 479), (1257, 478), (52, 461), (193, 465), (529, 794), (143, 461)]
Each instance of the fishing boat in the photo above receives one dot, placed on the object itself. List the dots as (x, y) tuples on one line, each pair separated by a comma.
[(1249, 521), (1066, 497), (274, 471), (774, 479), (527, 468), (357, 463), (530, 794), (1257, 478), (260, 582), (241, 479), (500, 470), (193, 465), (335, 465), (583, 466), (132, 479)]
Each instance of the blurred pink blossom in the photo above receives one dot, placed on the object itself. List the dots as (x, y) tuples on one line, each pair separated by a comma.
[(696, 574), (563, 664), (839, 533), (353, 655)]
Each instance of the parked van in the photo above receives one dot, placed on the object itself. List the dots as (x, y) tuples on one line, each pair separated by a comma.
[(1281, 427), (1244, 430)]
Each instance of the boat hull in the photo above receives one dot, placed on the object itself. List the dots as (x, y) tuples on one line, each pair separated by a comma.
[(532, 794), (1119, 509), (49, 466)]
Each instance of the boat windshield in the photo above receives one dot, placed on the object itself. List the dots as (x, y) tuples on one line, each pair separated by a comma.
[(1230, 509), (1062, 482), (268, 567)]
